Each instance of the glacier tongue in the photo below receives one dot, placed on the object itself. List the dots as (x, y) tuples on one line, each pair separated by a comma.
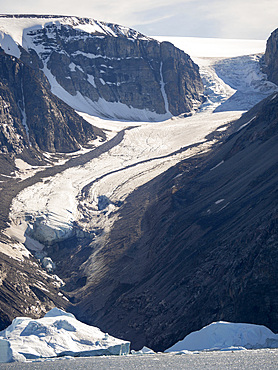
[(145, 151), (58, 333)]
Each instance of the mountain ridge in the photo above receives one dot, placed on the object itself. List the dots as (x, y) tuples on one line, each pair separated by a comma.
[(119, 72), (214, 261), (195, 244)]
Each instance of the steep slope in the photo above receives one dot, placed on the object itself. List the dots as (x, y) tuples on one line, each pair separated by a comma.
[(195, 245), (31, 116), (158, 267), (271, 57), (26, 289), (105, 69)]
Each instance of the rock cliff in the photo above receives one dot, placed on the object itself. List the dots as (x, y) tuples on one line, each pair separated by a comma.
[(271, 57), (109, 70), (25, 288), (31, 116)]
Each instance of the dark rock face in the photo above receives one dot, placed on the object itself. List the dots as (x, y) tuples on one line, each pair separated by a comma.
[(25, 288), (196, 248), (271, 57), (32, 116), (117, 65)]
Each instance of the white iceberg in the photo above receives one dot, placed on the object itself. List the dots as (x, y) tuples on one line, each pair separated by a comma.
[(56, 334), (143, 351), (226, 335)]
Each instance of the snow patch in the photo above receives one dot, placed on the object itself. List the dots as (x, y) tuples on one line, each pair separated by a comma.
[(102, 81), (247, 123), (14, 250), (102, 108), (72, 67), (219, 164), (91, 80), (9, 45), (219, 201), (162, 84)]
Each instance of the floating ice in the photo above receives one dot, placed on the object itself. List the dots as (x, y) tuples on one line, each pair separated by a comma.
[(226, 335), (58, 333)]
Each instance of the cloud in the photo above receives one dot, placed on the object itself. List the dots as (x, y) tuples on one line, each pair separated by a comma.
[(243, 18), (203, 18)]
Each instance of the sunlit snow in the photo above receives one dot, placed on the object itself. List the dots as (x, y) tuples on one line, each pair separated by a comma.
[(225, 335), (58, 333)]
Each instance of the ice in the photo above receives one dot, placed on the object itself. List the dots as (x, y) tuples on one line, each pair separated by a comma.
[(56, 334), (143, 351), (48, 264), (226, 335), (58, 312), (58, 207), (14, 250), (145, 152)]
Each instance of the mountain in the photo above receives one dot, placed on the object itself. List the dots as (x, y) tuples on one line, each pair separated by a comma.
[(105, 69), (50, 67), (195, 245), (271, 57), (166, 226), (31, 116)]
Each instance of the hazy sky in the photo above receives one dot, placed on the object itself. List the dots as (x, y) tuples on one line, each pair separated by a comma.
[(250, 19)]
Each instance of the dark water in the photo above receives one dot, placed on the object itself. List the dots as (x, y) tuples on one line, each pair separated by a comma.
[(255, 359)]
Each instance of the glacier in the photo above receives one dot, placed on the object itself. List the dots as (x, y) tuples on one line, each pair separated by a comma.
[(57, 205)]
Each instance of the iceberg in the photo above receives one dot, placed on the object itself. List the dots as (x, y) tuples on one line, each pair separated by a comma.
[(57, 334), (223, 335), (143, 351)]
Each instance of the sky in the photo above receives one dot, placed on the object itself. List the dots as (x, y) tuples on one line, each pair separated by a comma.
[(235, 19)]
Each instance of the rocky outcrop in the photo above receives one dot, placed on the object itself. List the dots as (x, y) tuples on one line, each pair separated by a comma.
[(142, 74), (271, 57), (25, 288), (31, 116), (197, 244), (112, 71)]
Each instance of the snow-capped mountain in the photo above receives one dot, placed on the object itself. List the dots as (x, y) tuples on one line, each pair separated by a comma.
[(196, 244), (156, 228), (105, 69)]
